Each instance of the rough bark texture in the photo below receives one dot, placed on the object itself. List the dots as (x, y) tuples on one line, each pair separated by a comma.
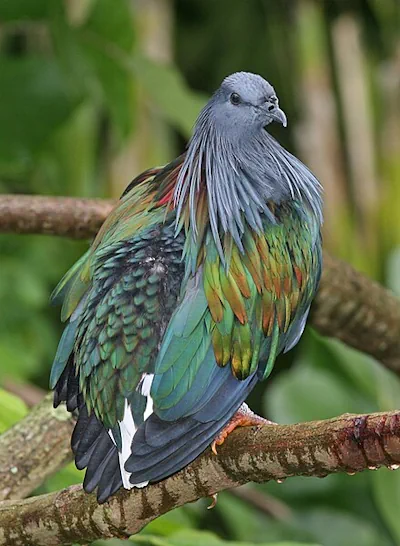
[(348, 306), (34, 448), (358, 311), (350, 443)]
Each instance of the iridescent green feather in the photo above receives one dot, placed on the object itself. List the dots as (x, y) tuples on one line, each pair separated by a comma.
[(257, 303)]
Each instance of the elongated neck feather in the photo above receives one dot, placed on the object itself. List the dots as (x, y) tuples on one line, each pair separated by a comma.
[(240, 175)]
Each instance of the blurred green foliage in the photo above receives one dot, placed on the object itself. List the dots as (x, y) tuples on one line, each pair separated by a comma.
[(94, 91)]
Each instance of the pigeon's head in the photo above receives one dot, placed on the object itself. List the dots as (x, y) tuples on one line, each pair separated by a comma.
[(245, 101)]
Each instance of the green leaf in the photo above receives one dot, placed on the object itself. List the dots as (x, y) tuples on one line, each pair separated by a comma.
[(170, 523), (164, 84), (356, 368), (69, 475), (98, 55), (116, 87), (34, 102), (12, 410), (13, 10), (386, 489), (111, 20), (108, 35), (18, 361), (334, 528), (307, 392), (201, 538)]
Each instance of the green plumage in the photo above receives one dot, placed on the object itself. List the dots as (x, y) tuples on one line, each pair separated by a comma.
[(202, 274), (239, 313), (257, 299)]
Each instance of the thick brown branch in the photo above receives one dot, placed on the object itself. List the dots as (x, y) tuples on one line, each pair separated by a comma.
[(358, 311), (349, 306), (34, 448), (65, 216), (349, 443)]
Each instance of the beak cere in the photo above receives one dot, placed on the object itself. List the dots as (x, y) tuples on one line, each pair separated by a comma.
[(279, 115)]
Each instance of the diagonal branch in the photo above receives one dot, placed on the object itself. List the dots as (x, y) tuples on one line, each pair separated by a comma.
[(350, 443), (349, 306), (34, 448)]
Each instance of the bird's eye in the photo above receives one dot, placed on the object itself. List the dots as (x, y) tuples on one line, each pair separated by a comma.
[(235, 99)]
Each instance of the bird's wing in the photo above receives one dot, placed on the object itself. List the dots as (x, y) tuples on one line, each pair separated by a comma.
[(237, 317), (118, 298), (144, 203)]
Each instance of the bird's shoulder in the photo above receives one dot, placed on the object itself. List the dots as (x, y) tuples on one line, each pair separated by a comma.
[(146, 202), (257, 300), (148, 199)]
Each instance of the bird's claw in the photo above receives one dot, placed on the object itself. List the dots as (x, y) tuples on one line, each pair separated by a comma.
[(244, 417), (213, 502)]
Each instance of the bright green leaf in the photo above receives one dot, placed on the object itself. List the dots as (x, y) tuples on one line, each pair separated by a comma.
[(12, 410), (69, 475), (164, 84)]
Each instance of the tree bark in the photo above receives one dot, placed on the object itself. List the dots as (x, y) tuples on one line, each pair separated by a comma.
[(350, 443), (358, 311), (34, 448), (64, 216), (348, 306)]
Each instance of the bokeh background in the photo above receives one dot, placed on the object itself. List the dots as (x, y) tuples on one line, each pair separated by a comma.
[(94, 91)]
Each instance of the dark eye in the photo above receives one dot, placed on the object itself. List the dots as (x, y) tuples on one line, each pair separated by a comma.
[(235, 99)]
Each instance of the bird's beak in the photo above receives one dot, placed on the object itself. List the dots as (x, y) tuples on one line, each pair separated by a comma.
[(279, 116)]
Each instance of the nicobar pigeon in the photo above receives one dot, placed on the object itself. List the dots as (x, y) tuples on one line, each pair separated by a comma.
[(201, 275)]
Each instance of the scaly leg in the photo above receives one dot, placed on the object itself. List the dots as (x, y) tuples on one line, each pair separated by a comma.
[(244, 417)]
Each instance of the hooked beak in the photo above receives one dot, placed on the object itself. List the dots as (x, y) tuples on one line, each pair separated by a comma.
[(278, 115)]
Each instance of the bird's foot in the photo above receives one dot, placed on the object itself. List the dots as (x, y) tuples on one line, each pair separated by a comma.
[(244, 417)]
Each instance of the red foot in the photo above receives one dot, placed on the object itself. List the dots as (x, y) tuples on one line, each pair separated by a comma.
[(244, 417)]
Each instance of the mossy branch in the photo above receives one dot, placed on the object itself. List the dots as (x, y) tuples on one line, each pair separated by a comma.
[(34, 448)]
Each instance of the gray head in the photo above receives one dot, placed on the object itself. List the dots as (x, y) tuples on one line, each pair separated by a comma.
[(245, 102)]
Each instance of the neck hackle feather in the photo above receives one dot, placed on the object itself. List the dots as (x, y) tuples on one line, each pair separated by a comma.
[(230, 181)]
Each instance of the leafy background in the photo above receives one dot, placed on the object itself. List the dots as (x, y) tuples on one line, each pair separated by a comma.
[(94, 91)]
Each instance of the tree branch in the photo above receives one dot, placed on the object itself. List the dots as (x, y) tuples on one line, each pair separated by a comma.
[(34, 448), (348, 306), (358, 311), (350, 443), (64, 216)]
